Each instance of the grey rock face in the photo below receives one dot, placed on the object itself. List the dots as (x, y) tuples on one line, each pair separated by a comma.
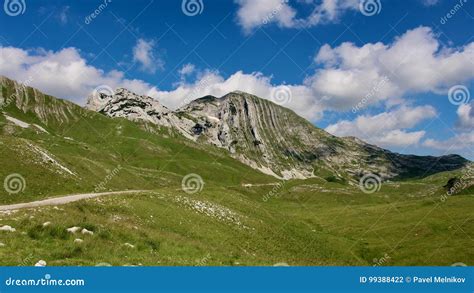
[(128, 105)]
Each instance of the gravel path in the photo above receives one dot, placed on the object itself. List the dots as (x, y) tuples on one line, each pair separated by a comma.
[(62, 200)]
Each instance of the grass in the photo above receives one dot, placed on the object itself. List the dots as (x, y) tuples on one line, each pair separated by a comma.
[(306, 223)]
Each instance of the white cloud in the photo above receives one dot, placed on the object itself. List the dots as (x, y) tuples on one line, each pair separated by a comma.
[(255, 13), (211, 83), (415, 62), (388, 128), (401, 138), (143, 54), (187, 69), (64, 74), (349, 75), (465, 116), (330, 11), (461, 141)]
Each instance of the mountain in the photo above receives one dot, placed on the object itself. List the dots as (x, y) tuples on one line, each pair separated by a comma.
[(60, 147), (271, 138)]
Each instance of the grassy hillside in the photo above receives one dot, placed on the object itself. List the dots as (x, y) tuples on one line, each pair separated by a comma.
[(300, 223), (92, 146)]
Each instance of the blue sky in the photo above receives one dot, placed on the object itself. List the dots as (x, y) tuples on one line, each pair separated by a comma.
[(383, 77)]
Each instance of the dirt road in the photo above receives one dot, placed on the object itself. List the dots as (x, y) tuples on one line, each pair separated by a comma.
[(62, 200)]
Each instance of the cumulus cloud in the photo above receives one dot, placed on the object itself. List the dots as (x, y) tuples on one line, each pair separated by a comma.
[(143, 53), (301, 98), (400, 138), (64, 73), (348, 76), (255, 13), (461, 141), (415, 62), (387, 128), (330, 11), (465, 116), (187, 69), (356, 77)]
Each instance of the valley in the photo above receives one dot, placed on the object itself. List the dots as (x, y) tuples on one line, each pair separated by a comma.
[(199, 198)]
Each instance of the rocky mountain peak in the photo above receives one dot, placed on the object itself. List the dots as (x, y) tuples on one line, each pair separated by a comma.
[(125, 103), (238, 94), (269, 137), (123, 91)]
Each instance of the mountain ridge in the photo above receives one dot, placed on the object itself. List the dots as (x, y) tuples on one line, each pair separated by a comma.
[(42, 137), (259, 133), (272, 138)]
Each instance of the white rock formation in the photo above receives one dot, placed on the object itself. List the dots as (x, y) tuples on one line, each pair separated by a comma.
[(40, 263), (87, 232), (73, 229), (7, 228)]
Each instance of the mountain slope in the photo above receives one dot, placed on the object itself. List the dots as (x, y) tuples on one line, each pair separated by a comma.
[(271, 138), (61, 148)]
